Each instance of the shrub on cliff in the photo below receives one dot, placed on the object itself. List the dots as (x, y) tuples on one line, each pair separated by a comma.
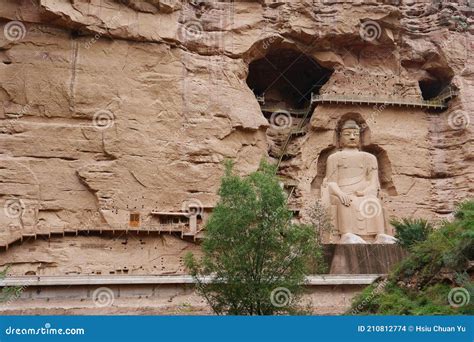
[(9, 293), (256, 256), (411, 231), (434, 279)]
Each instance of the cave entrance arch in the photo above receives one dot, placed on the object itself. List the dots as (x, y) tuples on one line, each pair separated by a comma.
[(435, 83), (287, 77), (283, 81)]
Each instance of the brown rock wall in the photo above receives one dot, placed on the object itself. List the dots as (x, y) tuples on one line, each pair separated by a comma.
[(109, 109)]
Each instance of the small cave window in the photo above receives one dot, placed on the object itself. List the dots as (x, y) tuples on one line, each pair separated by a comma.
[(286, 78), (134, 220)]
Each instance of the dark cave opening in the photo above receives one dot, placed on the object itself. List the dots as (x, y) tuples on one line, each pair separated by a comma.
[(286, 78), (430, 89), (434, 85)]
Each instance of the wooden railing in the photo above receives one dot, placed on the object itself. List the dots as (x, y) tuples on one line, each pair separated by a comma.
[(182, 229), (439, 102), (436, 103)]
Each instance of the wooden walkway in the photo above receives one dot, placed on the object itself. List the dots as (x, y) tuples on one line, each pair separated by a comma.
[(437, 103), (179, 229), (292, 111)]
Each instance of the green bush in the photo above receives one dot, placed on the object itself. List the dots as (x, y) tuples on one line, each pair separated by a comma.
[(411, 231), (423, 283), (257, 257)]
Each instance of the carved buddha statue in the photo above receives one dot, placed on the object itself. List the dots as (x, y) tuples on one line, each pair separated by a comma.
[(351, 188)]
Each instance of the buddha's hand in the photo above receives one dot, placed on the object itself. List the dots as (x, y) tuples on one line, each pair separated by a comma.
[(344, 198)]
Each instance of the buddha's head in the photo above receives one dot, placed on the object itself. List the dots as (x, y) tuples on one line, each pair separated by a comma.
[(350, 134)]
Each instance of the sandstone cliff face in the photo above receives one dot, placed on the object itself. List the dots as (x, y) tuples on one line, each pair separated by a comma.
[(117, 107)]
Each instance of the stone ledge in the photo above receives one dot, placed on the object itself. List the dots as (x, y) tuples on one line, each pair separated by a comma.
[(339, 279)]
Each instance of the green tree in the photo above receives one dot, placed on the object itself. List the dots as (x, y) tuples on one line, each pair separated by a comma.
[(256, 256)]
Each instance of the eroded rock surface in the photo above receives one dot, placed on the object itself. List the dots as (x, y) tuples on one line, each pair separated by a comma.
[(116, 107)]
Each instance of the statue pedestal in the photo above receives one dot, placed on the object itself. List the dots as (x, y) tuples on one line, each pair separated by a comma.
[(363, 258)]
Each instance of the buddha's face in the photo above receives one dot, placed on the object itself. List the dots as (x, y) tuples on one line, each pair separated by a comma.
[(350, 137)]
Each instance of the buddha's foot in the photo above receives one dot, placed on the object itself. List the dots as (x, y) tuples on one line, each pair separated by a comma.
[(350, 238), (385, 239)]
